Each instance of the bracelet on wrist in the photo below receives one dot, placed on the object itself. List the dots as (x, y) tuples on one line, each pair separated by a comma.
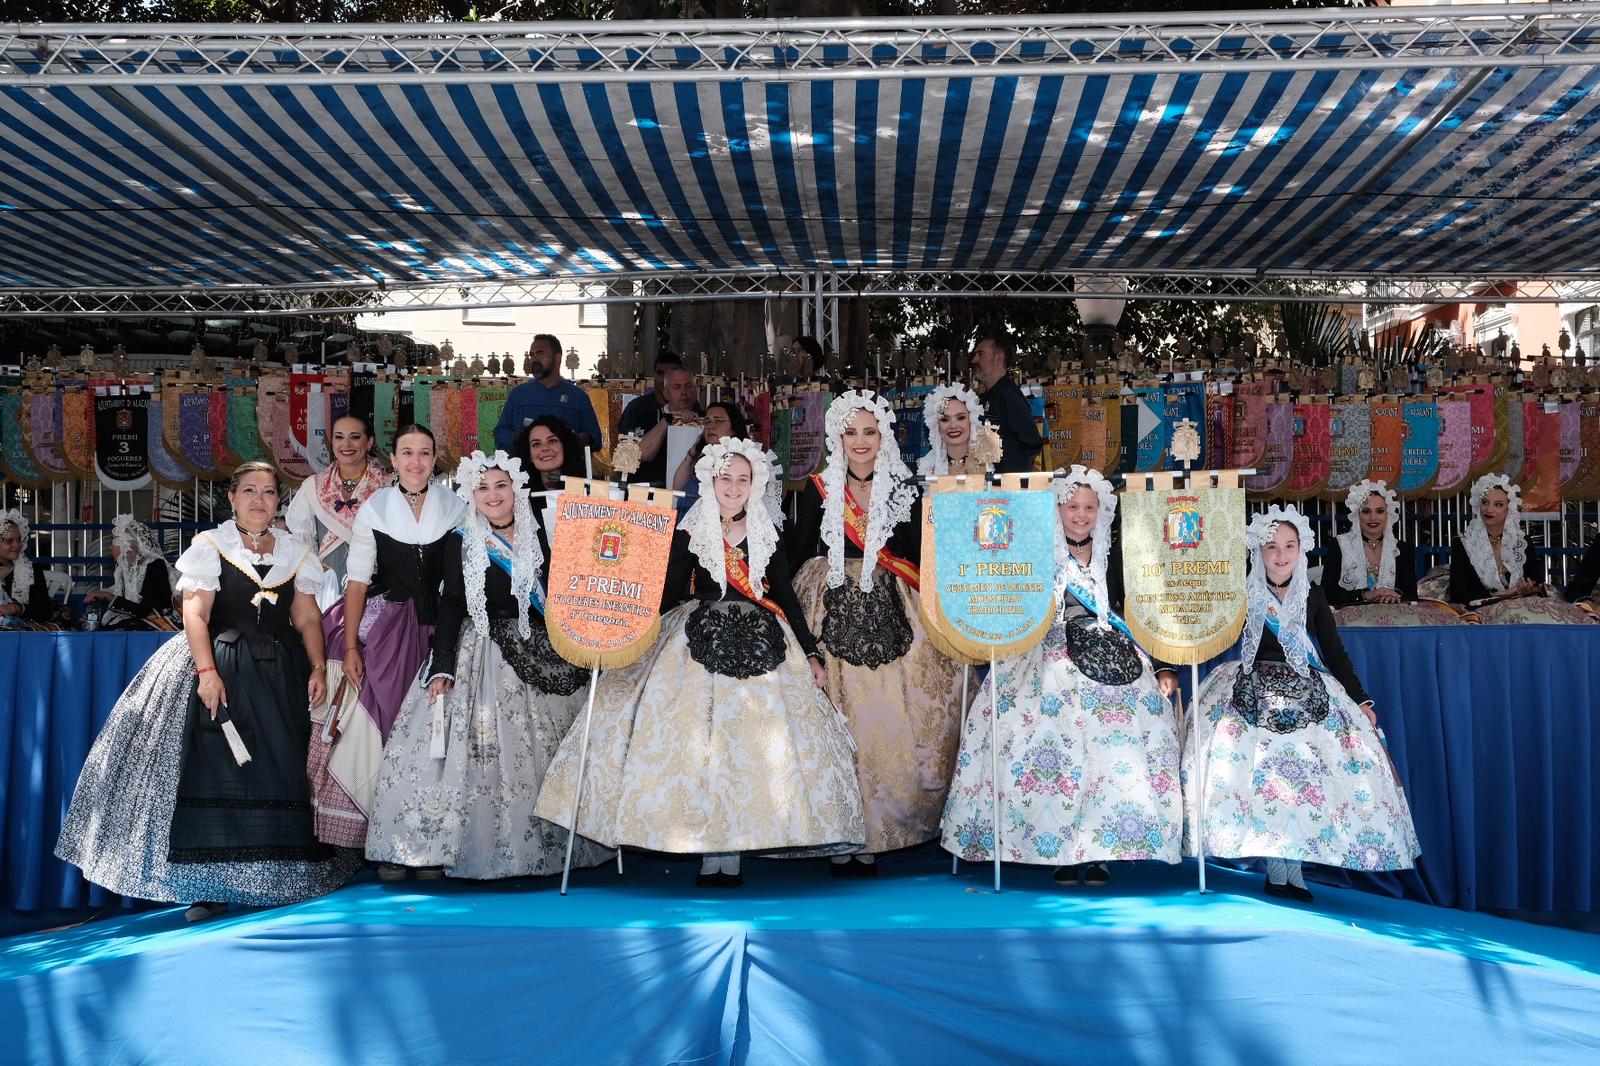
[(204, 670)]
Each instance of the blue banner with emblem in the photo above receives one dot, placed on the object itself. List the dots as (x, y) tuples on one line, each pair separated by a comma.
[(994, 579)]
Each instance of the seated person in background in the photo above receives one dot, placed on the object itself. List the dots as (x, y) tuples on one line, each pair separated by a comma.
[(723, 419), (141, 587), (1489, 561), (1370, 564), (24, 596)]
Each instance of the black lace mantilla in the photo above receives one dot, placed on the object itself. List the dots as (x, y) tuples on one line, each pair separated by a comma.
[(535, 660), (1101, 653), (1272, 696), (865, 628), (735, 639)]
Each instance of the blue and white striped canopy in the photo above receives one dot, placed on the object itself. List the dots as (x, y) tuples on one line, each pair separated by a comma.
[(171, 185)]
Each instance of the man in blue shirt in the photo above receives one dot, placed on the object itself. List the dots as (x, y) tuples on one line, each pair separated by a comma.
[(547, 394)]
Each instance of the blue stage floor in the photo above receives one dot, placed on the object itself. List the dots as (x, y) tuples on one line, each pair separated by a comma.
[(797, 967)]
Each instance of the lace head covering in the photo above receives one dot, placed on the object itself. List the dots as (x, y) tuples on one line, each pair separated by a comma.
[(1100, 551), (526, 558), (1352, 553), (139, 546), (22, 570), (1259, 596), (937, 459), (774, 498), (1513, 541), (704, 520), (893, 495)]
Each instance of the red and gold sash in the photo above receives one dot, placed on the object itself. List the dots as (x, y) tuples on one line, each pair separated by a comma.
[(855, 527), (739, 577)]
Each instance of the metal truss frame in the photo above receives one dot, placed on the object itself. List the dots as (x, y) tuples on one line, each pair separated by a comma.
[(1467, 36), (240, 301)]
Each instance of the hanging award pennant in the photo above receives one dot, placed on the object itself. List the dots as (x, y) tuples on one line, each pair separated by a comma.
[(363, 397), (1184, 400), (1541, 462), (1095, 430), (1586, 485), (1219, 431), (1183, 566), (467, 415), (1349, 446), (1311, 462), (223, 457), (1515, 434), (194, 432), (491, 402), (1250, 423), (1277, 451), (386, 412), (318, 422), (164, 466), (1419, 451), (77, 428), (807, 411), (760, 419), (19, 466), (299, 398), (1149, 430), (994, 579), (122, 438), (421, 401), (1455, 447), (927, 591), (782, 421), (1571, 424), (1063, 417), (444, 407), (608, 567), (1388, 441), (278, 431), (42, 433)]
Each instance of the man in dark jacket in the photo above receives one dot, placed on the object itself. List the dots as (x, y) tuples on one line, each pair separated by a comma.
[(1004, 405)]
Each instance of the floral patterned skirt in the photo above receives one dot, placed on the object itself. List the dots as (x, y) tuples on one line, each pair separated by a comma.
[(1321, 793), (472, 811), (905, 713), (687, 761), (1088, 771)]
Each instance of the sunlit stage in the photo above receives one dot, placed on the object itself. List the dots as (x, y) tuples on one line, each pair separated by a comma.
[(798, 967)]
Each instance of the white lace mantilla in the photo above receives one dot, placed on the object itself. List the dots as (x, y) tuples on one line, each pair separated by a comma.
[(704, 520), (22, 569), (937, 460), (1352, 549), (526, 556), (1513, 541), (1100, 551), (893, 495), (1259, 596)]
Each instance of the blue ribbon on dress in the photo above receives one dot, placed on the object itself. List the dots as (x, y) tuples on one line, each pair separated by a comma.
[(500, 554), (1275, 624), (1074, 579)]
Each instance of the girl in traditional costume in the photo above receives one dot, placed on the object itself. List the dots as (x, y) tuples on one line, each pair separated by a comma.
[(324, 510), (458, 786), (1492, 570), (953, 415), (718, 741), (24, 597), (857, 539), (196, 787), (1088, 740), (1369, 575), (142, 584), (400, 540), (1292, 764)]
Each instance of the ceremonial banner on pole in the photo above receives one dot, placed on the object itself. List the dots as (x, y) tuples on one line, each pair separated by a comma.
[(1455, 447), (1388, 441), (608, 566), (927, 607), (1219, 431), (1277, 453), (122, 438), (1419, 451), (1063, 417), (18, 465), (993, 590), (1349, 447), (1515, 435), (1249, 423), (1098, 429), (41, 421), (77, 428), (1184, 399), (1183, 565), (164, 466), (807, 442), (1571, 449), (1311, 462), (1145, 435), (1586, 486), (1541, 459)]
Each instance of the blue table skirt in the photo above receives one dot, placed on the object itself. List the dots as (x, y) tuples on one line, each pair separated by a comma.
[(1493, 730)]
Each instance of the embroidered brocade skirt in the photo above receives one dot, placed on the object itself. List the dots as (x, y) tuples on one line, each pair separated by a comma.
[(1088, 771), (162, 810), (686, 760), (472, 811), (904, 709), (1323, 792)]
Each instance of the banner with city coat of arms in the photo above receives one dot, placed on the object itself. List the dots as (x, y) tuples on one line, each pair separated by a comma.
[(608, 565), (993, 587), (1183, 559)]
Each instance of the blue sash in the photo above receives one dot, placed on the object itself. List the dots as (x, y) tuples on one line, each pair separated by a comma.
[(1274, 624), (1073, 579), (500, 554)]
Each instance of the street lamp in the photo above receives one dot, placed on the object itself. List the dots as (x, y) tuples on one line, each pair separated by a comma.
[(1100, 314)]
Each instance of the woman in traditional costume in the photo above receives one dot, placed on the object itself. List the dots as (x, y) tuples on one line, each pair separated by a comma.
[(1088, 740), (1292, 763), (1369, 575), (142, 584), (458, 784), (324, 510), (857, 539), (953, 415), (24, 597), (196, 787), (400, 540), (718, 741), (1492, 571)]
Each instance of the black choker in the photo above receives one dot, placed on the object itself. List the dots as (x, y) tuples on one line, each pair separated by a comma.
[(1371, 543), (414, 496), (1285, 585), (738, 517), (1085, 542), (508, 525), (858, 477), (253, 536)]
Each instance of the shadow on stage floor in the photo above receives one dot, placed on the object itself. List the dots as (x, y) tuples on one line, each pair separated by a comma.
[(799, 967)]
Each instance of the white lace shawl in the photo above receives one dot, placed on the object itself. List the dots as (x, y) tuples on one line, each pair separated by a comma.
[(937, 460), (526, 556), (1259, 596), (139, 546), (22, 570), (1353, 551), (774, 499), (1099, 551), (704, 520), (894, 497), (1513, 543)]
